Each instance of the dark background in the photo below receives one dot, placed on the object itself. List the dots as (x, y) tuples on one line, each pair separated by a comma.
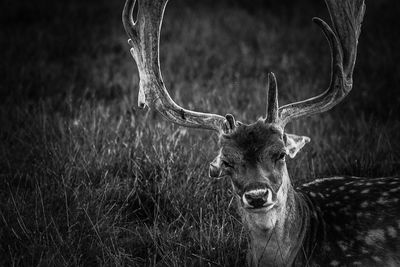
[(44, 44), (88, 179)]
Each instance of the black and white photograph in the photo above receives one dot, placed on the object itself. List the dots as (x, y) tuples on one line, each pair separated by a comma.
[(200, 133)]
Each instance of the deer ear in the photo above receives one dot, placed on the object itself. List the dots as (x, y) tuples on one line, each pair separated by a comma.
[(294, 143), (215, 169)]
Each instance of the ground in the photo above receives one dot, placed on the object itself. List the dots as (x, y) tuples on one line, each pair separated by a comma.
[(89, 179)]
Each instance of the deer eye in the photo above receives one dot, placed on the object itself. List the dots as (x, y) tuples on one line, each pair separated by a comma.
[(227, 164), (280, 156)]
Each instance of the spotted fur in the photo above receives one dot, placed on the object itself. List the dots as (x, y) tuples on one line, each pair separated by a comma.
[(355, 221)]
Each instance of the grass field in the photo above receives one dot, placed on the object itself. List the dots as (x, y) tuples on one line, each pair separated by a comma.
[(87, 179)]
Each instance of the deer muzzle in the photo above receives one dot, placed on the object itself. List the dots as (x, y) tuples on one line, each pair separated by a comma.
[(259, 198)]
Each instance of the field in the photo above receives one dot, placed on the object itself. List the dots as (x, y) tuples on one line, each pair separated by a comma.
[(87, 179)]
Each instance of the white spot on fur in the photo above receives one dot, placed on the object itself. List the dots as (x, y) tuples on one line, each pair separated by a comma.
[(364, 204), (365, 191), (377, 259), (342, 245), (337, 228), (392, 232), (374, 236), (334, 263), (381, 201)]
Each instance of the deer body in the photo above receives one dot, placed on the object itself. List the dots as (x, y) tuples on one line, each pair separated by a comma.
[(355, 221), (340, 221), (325, 228), (330, 222)]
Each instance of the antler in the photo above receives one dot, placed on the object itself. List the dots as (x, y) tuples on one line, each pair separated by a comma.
[(346, 16), (144, 36), (272, 101)]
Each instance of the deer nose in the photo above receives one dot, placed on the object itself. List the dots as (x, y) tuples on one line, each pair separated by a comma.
[(257, 198)]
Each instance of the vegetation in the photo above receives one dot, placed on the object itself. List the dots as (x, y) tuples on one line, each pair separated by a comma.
[(87, 179)]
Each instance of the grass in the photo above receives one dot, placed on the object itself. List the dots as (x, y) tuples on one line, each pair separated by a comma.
[(87, 179)]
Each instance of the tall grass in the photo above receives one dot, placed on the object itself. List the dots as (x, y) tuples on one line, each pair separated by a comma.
[(87, 179)]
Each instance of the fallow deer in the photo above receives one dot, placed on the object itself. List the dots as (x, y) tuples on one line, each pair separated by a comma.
[(339, 221)]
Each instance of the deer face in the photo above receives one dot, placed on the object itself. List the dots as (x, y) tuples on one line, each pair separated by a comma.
[(253, 157)]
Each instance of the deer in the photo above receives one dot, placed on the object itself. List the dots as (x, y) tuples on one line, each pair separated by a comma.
[(336, 221)]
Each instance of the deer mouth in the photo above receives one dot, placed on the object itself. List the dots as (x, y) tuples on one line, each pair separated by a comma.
[(259, 199), (263, 209)]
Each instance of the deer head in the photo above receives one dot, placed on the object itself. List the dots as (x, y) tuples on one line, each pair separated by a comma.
[(251, 155)]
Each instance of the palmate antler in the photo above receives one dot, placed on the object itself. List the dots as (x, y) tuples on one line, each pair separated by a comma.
[(144, 36), (347, 16)]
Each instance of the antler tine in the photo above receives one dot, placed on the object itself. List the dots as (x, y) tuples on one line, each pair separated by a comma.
[(343, 45), (272, 104), (127, 18), (145, 36), (337, 90)]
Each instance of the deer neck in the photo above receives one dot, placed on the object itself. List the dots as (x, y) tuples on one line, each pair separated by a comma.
[(276, 243)]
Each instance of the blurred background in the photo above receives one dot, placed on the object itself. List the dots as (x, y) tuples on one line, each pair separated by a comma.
[(88, 179)]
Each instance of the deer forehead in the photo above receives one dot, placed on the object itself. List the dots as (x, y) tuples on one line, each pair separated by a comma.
[(248, 142)]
